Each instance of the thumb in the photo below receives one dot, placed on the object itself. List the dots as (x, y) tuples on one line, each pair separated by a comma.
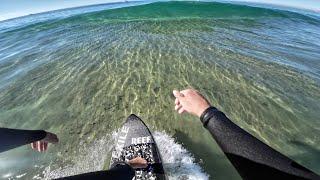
[(177, 94)]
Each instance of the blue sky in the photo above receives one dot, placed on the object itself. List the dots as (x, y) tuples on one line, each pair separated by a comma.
[(15, 8)]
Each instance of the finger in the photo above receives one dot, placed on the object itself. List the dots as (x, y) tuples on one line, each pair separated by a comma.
[(177, 107), (38, 146), (177, 94), (33, 145), (45, 146), (181, 110), (41, 146), (177, 102)]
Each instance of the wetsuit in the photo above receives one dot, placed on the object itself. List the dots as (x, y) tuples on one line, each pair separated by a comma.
[(120, 171), (12, 138), (252, 158)]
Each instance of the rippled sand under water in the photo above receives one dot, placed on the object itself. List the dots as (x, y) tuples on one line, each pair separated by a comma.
[(82, 76)]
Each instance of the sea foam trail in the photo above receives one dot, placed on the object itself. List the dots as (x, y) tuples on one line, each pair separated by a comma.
[(178, 162)]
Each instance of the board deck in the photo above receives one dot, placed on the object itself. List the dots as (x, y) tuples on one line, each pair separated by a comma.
[(135, 139)]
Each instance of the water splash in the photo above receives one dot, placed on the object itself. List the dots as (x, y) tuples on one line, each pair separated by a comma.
[(178, 162), (91, 158)]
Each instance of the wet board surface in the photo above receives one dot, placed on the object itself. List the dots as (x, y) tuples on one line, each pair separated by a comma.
[(135, 139)]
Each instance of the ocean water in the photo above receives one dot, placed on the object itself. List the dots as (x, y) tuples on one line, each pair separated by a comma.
[(81, 73)]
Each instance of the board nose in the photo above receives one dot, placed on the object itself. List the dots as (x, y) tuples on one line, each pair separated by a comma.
[(132, 117)]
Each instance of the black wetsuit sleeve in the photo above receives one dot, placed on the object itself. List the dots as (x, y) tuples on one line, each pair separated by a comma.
[(120, 171), (12, 138), (252, 158)]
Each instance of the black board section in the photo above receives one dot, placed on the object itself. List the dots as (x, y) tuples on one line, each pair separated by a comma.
[(135, 139)]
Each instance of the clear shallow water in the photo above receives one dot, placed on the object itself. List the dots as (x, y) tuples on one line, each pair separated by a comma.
[(80, 76)]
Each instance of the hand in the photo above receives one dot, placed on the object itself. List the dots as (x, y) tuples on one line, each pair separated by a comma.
[(138, 162), (190, 101), (42, 145)]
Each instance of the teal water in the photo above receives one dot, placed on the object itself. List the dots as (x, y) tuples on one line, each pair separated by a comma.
[(81, 75)]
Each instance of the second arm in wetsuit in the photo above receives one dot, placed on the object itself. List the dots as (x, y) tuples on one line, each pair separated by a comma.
[(252, 158)]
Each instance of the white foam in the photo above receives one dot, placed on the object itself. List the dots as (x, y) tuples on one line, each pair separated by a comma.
[(21, 175), (178, 162), (90, 158)]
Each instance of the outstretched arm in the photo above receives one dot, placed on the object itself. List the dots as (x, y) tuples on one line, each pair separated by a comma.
[(252, 158), (12, 138)]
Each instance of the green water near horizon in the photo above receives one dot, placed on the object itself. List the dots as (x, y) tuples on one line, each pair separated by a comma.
[(81, 76)]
